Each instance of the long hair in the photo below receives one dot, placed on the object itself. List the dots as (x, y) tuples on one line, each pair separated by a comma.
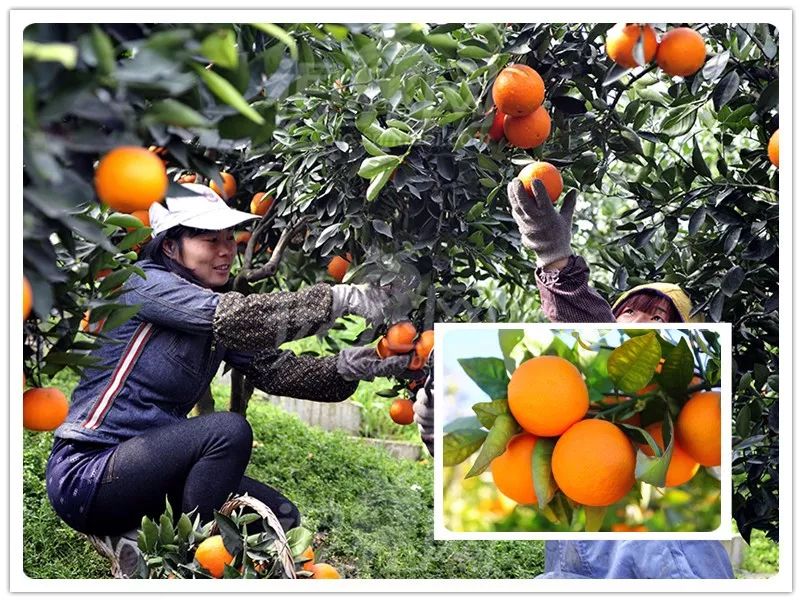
[(647, 301), (154, 251)]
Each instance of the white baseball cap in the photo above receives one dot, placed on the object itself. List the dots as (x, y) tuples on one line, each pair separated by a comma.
[(204, 210)]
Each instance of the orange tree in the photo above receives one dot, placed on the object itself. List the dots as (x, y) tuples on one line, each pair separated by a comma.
[(375, 140)]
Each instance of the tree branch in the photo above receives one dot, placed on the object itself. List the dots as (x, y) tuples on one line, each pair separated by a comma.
[(271, 267)]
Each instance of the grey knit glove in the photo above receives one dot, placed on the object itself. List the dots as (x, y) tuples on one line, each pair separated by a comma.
[(363, 363), (424, 410), (543, 229), (378, 305)]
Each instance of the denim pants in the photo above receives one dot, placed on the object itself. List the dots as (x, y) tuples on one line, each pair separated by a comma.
[(626, 559)]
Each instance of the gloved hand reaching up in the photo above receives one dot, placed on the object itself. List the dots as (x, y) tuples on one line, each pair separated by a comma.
[(378, 305), (363, 363), (543, 229)]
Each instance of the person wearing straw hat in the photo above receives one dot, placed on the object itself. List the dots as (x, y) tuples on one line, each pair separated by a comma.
[(127, 443), (566, 296)]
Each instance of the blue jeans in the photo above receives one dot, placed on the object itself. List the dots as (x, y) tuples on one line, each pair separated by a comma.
[(628, 559)]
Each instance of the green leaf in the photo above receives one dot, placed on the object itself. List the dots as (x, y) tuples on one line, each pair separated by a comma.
[(70, 358), (394, 137), (699, 164), (113, 280), (473, 52), (488, 373), (678, 121), (123, 220), (148, 535), (281, 35), (120, 316), (631, 366), (173, 112), (653, 470), (132, 239), (542, 477), (677, 370), (487, 412), (227, 93), (184, 527), (503, 429), (220, 47), (104, 51), (375, 165), (377, 183), (594, 517), (458, 445), (298, 539), (166, 531), (232, 539), (66, 54), (742, 422), (371, 148), (508, 338)]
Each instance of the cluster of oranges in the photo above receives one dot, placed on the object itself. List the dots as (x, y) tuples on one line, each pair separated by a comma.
[(212, 555), (680, 51), (593, 461), (402, 337), (521, 118)]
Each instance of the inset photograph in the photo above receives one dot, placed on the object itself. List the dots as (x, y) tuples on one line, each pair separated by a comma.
[(595, 432)]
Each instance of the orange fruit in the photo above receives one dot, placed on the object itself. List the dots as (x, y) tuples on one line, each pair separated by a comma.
[(260, 203), (774, 148), (129, 178), (229, 186), (424, 344), (189, 178), (242, 238), (699, 427), (87, 325), (213, 555), (338, 266), (496, 132), (382, 349), (594, 463), (546, 395), (27, 298), (309, 555), (400, 337), (43, 409), (321, 570), (623, 37), (529, 130), (681, 51), (518, 90), (143, 216), (681, 468), (512, 470), (546, 173), (401, 411)]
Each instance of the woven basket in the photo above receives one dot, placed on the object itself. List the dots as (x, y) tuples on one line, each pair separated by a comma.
[(282, 547)]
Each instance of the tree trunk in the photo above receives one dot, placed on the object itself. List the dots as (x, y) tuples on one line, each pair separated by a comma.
[(205, 404)]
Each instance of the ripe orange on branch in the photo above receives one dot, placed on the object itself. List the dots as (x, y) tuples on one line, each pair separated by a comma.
[(546, 173), (400, 337), (338, 266), (43, 409), (681, 51), (622, 40), (496, 131), (518, 90), (130, 178), (594, 463), (774, 148), (528, 131), (27, 298), (699, 427), (546, 395), (229, 186), (512, 470), (401, 411), (260, 203), (321, 570)]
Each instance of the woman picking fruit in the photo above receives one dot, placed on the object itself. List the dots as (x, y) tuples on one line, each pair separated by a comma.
[(127, 443), (567, 296)]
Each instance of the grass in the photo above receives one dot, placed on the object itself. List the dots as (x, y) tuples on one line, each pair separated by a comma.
[(371, 512), (761, 556)]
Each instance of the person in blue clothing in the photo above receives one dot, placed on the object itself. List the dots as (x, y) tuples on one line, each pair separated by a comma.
[(566, 296), (127, 443)]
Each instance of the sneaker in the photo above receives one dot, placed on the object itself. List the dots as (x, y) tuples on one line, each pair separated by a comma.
[(123, 552)]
